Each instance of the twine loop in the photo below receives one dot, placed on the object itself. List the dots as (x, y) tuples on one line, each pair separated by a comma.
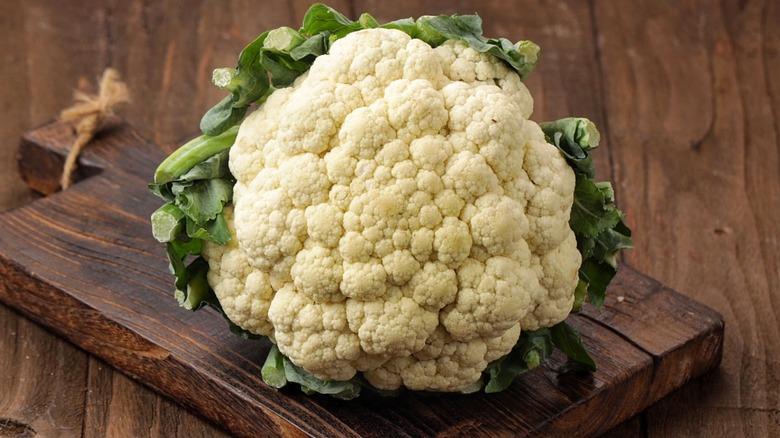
[(88, 115)]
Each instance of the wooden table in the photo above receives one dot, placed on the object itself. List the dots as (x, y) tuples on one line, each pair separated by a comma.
[(686, 94)]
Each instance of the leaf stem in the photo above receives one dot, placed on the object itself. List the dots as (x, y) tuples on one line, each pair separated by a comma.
[(193, 152)]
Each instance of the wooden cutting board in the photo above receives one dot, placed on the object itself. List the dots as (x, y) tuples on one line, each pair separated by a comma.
[(84, 264)]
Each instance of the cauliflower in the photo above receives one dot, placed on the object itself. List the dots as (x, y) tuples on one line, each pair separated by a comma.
[(396, 213), (390, 209)]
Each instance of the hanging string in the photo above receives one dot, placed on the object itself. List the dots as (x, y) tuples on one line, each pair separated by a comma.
[(88, 115)]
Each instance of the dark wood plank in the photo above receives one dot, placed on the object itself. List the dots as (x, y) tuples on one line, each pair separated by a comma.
[(633, 427), (700, 337), (44, 57), (166, 51), (112, 395), (36, 403), (82, 263), (14, 99), (691, 93)]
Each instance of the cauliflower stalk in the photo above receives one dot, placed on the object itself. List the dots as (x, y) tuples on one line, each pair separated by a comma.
[(389, 215)]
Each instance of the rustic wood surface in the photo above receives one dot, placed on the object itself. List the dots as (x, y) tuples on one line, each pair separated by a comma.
[(82, 264), (685, 92)]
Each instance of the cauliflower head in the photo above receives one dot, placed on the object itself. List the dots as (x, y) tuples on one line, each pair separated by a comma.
[(396, 213)]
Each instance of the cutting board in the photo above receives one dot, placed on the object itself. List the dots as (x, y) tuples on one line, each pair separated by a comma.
[(83, 263)]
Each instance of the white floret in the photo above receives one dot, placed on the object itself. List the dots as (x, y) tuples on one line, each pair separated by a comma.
[(397, 213), (244, 293)]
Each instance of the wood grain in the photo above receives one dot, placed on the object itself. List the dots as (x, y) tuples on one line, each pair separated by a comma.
[(685, 93), (14, 102), (694, 135), (151, 414), (33, 404), (81, 263)]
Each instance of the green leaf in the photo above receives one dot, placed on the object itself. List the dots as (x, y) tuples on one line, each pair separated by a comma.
[(215, 230), (344, 390), (610, 242), (468, 28), (213, 167), (221, 117), (244, 88), (531, 349), (178, 251), (579, 133), (367, 21), (203, 200), (320, 18), (522, 56), (176, 265), (198, 289), (426, 31), (251, 76), (315, 46), (247, 83), (580, 293), (574, 137), (283, 71), (183, 248), (585, 245), (273, 369), (435, 30), (162, 191), (593, 210), (567, 339), (597, 223), (598, 275), (286, 61), (405, 25)]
